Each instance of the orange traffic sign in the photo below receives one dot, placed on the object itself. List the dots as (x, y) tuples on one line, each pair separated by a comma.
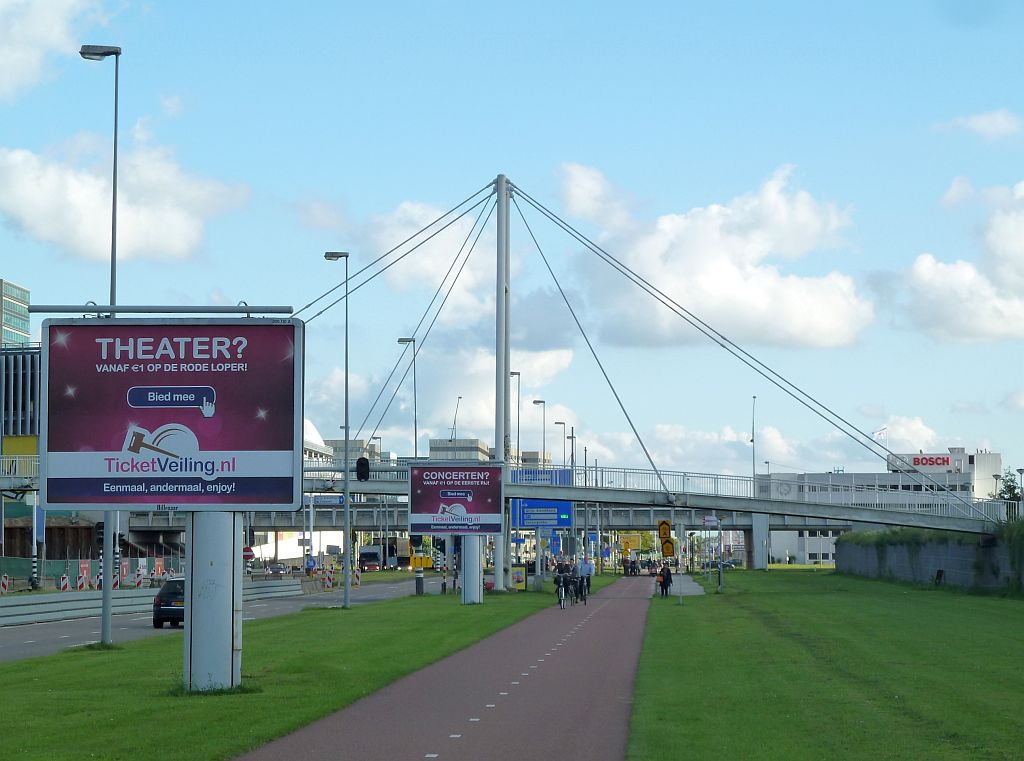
[(664, 530)]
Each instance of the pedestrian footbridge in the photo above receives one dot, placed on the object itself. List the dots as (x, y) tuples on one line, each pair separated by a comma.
[(626, 498)]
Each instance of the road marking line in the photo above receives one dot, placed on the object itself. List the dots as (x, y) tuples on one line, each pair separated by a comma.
[(64, 636), (29, 642), (430, 755), (142, 618), (524, 674), (534, 666), (489, 705), (474, 719), (540, 660), (503, 693), (455, 737), (515, 682)]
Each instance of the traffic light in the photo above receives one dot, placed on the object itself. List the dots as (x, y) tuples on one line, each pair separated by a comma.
[(416, 540), (99, 532), (362, 469)]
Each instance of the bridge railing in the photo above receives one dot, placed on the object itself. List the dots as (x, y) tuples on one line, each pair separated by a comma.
[(19, 466), (911, 497)]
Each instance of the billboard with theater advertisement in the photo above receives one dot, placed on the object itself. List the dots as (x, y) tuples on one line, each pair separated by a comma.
[(455, 499), (196, 414)]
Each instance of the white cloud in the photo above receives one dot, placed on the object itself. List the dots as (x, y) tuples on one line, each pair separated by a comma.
[(31, 31), (473, 295), (956, 302), (975, 301), (725, 263), (991, 125), (161, 210), (586, 193), (171, 105), (1015, 400), (960, 189), (321, 215), (906, 434)]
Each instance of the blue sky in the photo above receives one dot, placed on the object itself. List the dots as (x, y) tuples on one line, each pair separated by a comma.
[(836, 187)]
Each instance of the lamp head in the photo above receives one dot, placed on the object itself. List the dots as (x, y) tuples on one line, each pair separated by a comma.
[(98, 52), (407, 340), (333, 256), (538, 401)]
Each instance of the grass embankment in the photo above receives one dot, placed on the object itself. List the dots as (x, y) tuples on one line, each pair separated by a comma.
[(127, 702), (807, 665)]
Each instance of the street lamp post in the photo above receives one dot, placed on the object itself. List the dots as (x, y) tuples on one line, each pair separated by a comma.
[(519, 397), (544, 430), (561, 423), (110, 518), (333, 256), (415, 414), (768, 465), (98, 53)]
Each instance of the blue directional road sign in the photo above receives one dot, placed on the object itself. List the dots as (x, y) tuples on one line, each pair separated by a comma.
[(539, 513), (324, 500)]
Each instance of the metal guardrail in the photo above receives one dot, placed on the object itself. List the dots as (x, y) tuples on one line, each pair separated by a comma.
[(60, 606)]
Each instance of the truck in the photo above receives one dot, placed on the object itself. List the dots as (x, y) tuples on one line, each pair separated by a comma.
[(403, 553), (371, 558)]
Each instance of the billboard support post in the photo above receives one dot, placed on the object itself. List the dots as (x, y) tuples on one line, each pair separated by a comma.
[(213, 638)]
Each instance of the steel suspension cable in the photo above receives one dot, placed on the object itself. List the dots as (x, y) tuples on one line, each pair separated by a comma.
[(593, 351), (771, 375), (419, 324), (452, 210)]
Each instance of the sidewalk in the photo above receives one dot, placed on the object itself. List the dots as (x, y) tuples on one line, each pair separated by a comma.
[(558, 684)]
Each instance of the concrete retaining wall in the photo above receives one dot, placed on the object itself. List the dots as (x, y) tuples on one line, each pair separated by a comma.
[(971, 566)]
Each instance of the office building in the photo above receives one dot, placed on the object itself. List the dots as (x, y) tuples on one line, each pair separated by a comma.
[(14, 313)]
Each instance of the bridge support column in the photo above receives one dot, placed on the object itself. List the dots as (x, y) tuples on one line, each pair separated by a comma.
[(759, 543)]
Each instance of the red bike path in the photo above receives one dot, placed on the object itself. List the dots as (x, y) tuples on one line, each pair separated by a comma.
[(558, 684)]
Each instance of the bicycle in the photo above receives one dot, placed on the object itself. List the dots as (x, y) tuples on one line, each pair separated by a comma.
[(560, 591), (584, 582)]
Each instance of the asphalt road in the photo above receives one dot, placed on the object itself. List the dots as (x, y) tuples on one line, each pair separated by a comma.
[(31, 640)]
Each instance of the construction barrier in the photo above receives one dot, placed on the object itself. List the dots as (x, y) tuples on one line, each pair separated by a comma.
[(5, 584), (117, 581), (65, 586), (329, 578), (138, 577), (355, 577), (83, 579)]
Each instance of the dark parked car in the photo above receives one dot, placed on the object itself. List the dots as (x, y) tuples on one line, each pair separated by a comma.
[(169, 604), (278, 571)]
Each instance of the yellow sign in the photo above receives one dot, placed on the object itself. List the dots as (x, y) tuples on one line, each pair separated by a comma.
[(422, 561), (664, 530), (629, 542), (668, 548)]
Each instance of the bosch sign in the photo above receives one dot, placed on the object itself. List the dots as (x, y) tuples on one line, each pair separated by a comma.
[(919, 460)]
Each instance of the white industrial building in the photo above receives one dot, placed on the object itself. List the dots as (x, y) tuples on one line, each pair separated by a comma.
[(920, 476)]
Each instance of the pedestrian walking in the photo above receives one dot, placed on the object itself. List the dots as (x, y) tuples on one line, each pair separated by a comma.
[(664, 579)]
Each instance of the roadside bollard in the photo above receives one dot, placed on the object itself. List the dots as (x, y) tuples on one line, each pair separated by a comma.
[(419, 581)]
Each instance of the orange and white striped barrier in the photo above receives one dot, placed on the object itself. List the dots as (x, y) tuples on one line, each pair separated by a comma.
[(65, 585), (329, 578), (138, 577), (355, 578), (82, 580), (117, 581), (5, 584)]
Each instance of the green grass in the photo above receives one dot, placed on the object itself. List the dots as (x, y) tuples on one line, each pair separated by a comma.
[(127, 702), (811, 665)]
